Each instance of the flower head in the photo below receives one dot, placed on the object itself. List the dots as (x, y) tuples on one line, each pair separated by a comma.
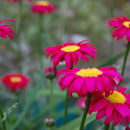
[(15, 81), (5, 29), (116, 106), (70, 52), (121, 27), (86, 80), (50, 72), (81, 103), (42, 7), (49, 122)]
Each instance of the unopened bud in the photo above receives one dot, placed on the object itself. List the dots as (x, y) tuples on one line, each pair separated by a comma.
[(49, 122), (127, 128), (50, 72)]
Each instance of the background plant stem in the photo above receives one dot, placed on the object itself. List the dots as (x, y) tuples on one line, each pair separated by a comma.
[(88, 100), (125, 59), (2, 116), (51, 95)]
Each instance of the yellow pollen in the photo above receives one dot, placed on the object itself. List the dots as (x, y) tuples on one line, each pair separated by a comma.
[(15, 79), (44, 3), (116, 97), (127, 24), (93, 72), (70, 48)]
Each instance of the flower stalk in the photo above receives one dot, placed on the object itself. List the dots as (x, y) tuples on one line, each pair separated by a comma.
[(4, 125), (125, 59), (106, 127), (88, 100), (51, 95)]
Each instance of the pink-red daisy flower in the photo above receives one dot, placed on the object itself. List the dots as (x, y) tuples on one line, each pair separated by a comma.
[(116, 106), (70, 52), (42, 7), (121, 27), (5, 29), (86, 80), (81, 103), (15, 81)]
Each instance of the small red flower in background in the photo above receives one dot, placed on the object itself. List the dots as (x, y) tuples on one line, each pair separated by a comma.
[(116, 106), (121, 27), (81, 103), (70, 52), (87, 80), (127, 128), (5, 29), (19, 0), (42, 7), (15, 81)]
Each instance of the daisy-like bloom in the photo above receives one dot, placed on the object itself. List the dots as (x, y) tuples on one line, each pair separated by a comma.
[(15, 81), (70, 52), (87, 80), (116, 106), (5, 29), (81, 103), (121, 27), (42, 7)]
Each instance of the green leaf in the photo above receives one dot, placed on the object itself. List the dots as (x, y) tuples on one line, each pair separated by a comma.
[(74, 125)]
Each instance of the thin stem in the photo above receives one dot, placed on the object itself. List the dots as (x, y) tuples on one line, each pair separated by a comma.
[(85, 111), (124, 64), (106, 127), (2, 116), (66, 104), (52, 101), (66, 107), (112, 127)]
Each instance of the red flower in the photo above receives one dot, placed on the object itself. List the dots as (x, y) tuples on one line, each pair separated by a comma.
[(70, 52), (15, 81), (5, 30), (121, 27), (42, 7), (86, 80), (116, 106), (81, 103)]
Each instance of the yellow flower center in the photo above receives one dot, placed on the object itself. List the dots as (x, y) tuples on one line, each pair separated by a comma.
[(127, 24), (44, 3), (70, 48), (94, 72), (116, 97), (15, 79)]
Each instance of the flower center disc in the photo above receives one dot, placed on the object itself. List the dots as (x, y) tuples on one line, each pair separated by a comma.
[(126, 24), (94, 72), (15, 79), (116, 97), (70, 48), (44, 3)]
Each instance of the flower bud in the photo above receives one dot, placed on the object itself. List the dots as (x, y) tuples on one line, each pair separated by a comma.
[(49, 122), (127, 128), (50, 72)]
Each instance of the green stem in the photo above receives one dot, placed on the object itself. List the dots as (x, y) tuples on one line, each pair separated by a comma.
[(124, 64), (106, 127), (40, 34), (2, 116), (85, 111), (66, 107), (52, 101), (112, 128)]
